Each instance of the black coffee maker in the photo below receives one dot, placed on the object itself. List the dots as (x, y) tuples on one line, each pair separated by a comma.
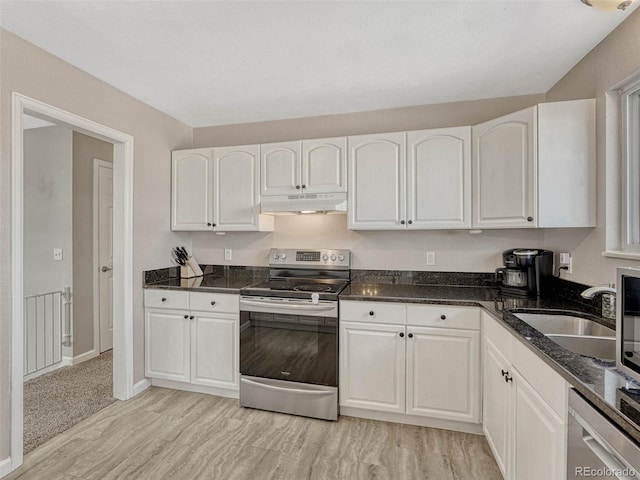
[(526, 271)]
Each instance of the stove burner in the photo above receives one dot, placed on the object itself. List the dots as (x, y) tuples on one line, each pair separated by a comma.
[(312, 288)]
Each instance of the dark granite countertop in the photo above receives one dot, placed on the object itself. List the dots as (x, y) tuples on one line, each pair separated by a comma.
[(207, 283), (600, 382)]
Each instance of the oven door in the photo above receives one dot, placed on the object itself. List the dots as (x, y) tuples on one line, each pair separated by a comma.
[(289, 339)]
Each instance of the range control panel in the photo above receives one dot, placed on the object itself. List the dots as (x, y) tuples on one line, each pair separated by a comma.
[(309, 258)]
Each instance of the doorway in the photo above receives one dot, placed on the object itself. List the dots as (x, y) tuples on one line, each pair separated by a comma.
[(122, 248)]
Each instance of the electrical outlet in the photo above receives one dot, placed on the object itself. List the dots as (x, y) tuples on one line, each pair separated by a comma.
[(566, 260), (57, 254), (227, 254), (431, 258)]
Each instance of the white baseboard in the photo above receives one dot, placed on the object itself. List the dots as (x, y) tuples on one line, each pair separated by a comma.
[(474, 428), (220, 392), (5, 467), (83, 357), (48, 369), (141, 386)]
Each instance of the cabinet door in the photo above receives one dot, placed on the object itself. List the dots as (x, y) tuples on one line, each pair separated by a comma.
[(372, 366), (236, 177), (443, 373), (540, 436), (496, 404), (439, 178), (214, 350), (280, 165), (377, 176), (167, 344), (504, 171), (324, 165), (191, 190)]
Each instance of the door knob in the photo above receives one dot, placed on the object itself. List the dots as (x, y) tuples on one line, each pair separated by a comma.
[(106, 269)]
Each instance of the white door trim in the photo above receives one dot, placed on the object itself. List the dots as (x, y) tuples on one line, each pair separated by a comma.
[(96, 255), (122, 252)]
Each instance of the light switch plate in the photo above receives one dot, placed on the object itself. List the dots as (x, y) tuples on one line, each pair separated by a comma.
[(57, 254), (227, 254)]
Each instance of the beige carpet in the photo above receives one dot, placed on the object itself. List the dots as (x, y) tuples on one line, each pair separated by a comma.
[(58, 400)]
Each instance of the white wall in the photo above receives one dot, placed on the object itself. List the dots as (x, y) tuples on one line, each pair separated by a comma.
[(47, 209), (455, 250)]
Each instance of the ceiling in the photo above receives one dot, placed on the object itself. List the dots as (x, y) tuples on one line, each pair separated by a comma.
[(223, 62)]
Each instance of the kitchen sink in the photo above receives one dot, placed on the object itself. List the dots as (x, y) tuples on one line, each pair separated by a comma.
[(595, 347), (565, 325), (577, 334)]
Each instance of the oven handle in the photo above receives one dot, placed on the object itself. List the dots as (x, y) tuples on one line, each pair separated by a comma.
[(289, 305), (284, 389)]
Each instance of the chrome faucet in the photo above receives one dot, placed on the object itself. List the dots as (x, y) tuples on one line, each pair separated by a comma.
[(608, 299)]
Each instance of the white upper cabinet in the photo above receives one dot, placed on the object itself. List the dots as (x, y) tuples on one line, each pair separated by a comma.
[(217, 189), (426, 187), (567, 164), (439, 178), (191, 190), (236, 175), (536, 167), (504, 171), (309, 166), (280, 163), (324, 165), (377, 170)]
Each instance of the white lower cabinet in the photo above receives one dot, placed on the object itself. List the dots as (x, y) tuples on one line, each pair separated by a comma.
[(443, 378), (388, 366), (167, 334), (372, 366), (195, 347), (524, 418)]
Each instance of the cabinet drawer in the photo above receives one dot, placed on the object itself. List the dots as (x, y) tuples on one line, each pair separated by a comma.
[(373, 312), (467, 318), (161, 298), (215, 302)]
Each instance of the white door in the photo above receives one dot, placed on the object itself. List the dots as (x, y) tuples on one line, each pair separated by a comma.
[(439, 178), (191, 199), (280, 165), (504, 171), (496, 404), (324, 165), (167, 344), (214, 349), (103, 196), (540, 437), (236, 177), (372, 366), (377, 171), (443, 373)]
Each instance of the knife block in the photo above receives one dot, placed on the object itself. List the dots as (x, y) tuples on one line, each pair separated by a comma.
[(191, 269)]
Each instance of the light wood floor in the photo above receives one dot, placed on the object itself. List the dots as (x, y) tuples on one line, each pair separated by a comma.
[(170, 434)]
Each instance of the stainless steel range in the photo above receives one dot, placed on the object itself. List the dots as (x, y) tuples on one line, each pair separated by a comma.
[(289, 334)]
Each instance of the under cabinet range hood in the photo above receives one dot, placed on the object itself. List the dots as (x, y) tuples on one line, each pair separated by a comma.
[(304, 203)]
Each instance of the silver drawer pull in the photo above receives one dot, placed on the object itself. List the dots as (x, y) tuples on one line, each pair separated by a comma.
[(284, 389)]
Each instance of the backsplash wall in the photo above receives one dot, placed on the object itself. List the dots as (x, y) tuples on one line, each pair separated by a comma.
[(394, 250)]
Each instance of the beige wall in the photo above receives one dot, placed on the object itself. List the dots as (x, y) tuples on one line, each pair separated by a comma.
[(31, 71), (613, 60), (85, 149), (391, 120)]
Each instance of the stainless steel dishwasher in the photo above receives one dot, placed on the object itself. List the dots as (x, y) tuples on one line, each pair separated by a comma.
[(596, 448)]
